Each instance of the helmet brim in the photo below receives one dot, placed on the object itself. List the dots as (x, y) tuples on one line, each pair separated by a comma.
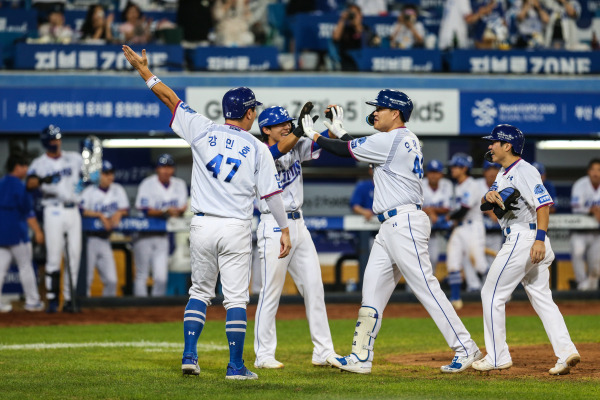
[(373, 103), (490, 138)]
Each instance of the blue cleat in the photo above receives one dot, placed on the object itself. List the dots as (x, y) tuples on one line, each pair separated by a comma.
[(459, 363), (189, 365), (239, 374), (52, 307)]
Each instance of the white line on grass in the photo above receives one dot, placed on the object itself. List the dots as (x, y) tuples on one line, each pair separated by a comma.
[(143, 344)]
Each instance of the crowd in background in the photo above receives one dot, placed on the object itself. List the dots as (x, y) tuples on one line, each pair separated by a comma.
[(481, 24)]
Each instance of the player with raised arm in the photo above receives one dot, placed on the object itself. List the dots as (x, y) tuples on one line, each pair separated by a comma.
[(520, 201), (230, 167), (289, 149), (400, 246)]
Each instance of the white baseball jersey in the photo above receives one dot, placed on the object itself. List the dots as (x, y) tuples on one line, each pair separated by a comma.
[(584, 196), (106, 201), (67, 166), (468, 194), (441, 197), (290, 174), (229, 163), (152, 194), (398, 167), (525, 178)]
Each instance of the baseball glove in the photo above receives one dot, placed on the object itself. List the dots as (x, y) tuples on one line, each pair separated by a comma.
[(306, 109), (509, 197), (39, 254)]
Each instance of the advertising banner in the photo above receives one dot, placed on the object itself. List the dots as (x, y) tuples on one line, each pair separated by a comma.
[(235, 59), (395, 60)]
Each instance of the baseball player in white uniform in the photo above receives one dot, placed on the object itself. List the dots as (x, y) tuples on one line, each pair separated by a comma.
[(467, 240), (230, 168), (59, 173), (520, 200), (493, 233), (585, 246), (437, 196), (160, 196), (400, 246), (289, 151), (108, 201)]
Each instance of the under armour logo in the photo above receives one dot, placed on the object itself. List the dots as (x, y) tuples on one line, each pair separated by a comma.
[(191, 333), (510, 178), (394, 224), (232, 343)]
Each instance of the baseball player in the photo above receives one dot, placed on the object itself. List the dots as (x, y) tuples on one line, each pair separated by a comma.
[(493, 233), (16, 214), (160, 196), (230, 167), (585, 246), (289, 151), (59, 175), (361, 201), (400, 246), (437, 194), (521, 202), (108, 202), (467, 240)]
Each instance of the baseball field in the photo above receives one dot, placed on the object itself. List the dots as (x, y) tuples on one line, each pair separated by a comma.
[(132, 353)]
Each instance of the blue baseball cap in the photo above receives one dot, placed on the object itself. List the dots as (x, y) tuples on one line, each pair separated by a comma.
[(107, 166), (165, 160), (434, 166), (540, 167), (487, 165)]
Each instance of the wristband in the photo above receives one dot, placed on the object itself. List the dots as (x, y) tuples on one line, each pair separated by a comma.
[(152, 81), (540, 235)]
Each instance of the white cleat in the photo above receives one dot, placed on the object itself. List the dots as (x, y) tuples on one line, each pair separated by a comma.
[(485, 365), (457, 304), (35, 307), (331, 361), (5, 308), (352, 364), (269, 364), (565, 368), (459, 364)]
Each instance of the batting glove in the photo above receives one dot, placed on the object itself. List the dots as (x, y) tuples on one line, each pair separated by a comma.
[(307, 126), (337, 122)]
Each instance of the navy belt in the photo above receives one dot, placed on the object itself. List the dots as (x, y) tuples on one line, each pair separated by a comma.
[(199, 214), (294, 215), (507, 230), (69, 204), (391, 213)]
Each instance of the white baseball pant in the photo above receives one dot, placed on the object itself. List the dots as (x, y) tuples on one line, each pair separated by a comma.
[(100, 255), (467, 240), (305, 269), (22, 255), (585, 247), (59, 221), (221, 246), (511, 266), (400, 248), (151, 252)]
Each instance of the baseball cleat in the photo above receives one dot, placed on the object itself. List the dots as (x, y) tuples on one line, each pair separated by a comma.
[(459, 363), (565, 368), (5, 308), (52, 306), (269, 364), (189, 365), (331, 361), (352, 364), (239, 374), (485, 365), (34, 307), (457, 304)]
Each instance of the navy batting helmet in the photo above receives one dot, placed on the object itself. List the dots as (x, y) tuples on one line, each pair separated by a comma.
[(509, 134), (273, 116), (540, 167), (107, 166), (461, 160), (434, 166), (165, 160), (237, 101), (49, 134), (395, 100)]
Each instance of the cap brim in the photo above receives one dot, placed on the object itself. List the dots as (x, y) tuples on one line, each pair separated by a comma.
[(257, 103)]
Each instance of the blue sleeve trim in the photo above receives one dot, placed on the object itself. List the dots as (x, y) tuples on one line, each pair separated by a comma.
[(275, 151)]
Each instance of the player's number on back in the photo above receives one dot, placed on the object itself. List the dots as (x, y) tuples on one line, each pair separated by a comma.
[(214, 166), (418, 167)]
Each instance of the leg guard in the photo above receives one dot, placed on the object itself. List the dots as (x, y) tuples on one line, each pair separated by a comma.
[(365, 333), (52, 285)]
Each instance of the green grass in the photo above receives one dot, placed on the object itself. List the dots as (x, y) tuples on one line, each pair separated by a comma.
[(135, 373)]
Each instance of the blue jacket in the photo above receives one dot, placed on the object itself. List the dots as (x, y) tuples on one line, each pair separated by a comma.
[(16, 207)]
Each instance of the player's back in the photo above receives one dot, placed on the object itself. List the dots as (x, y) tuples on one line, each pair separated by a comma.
[(440, 197)]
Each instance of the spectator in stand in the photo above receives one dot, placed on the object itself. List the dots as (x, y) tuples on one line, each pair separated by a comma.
[(408, 32), (489, 25), (547, 184), (45, 7), (55, 30), (351, 34), (561, 30), (372, 8), (454, 30), (527, 20), (97, 26), (135, 29), (233, 20), (585, 246), (195, 18), (361, 201)]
